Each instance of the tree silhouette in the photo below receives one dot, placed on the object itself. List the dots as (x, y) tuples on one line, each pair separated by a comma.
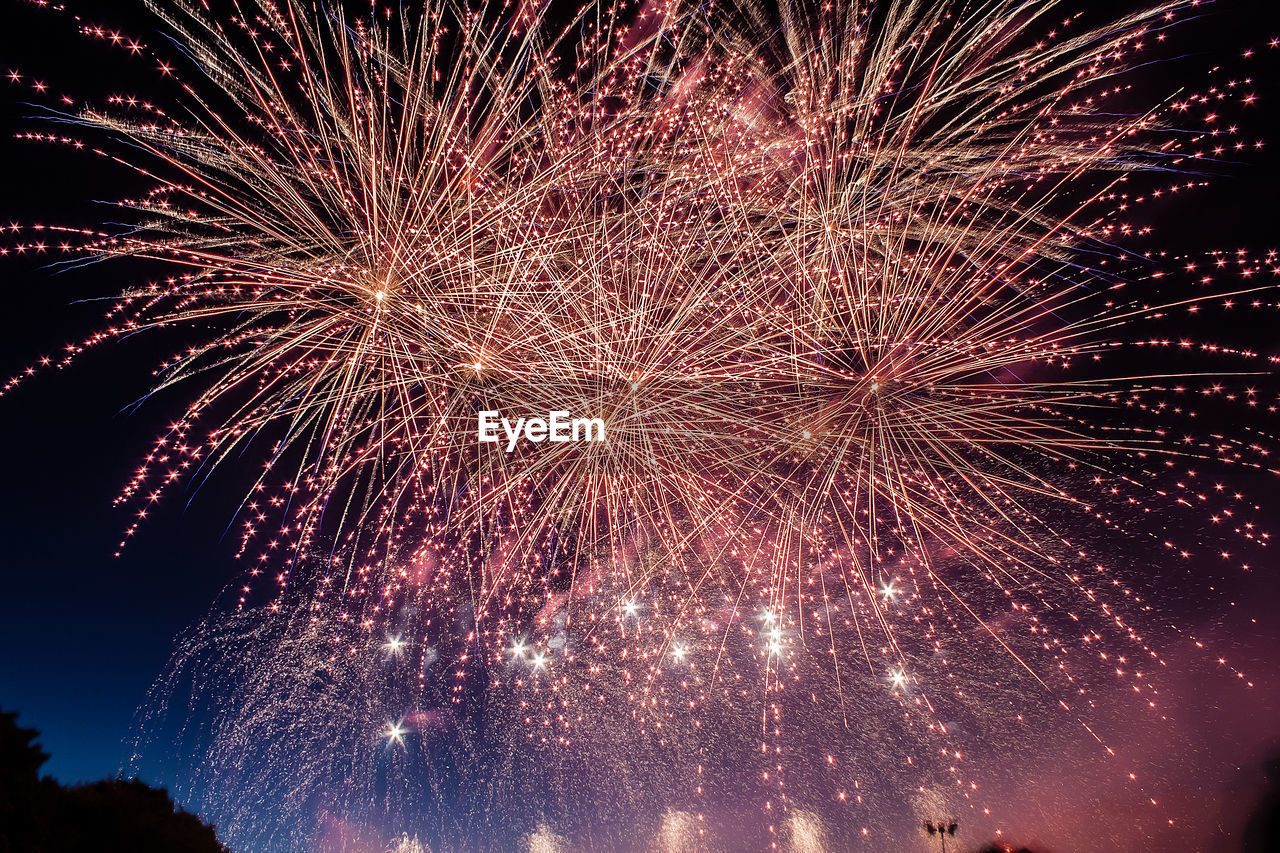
[(1262, 833), (37, 815)]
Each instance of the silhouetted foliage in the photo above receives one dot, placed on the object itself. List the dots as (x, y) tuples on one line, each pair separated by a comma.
[(1262, 832), (37, 815)]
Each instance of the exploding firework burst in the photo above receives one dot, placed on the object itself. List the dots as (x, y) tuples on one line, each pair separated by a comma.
[(840, 280)]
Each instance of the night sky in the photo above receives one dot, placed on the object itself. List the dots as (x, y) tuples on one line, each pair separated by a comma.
[(84, 633)]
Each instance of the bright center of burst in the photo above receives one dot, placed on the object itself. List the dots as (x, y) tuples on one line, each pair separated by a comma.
[(395, 733)]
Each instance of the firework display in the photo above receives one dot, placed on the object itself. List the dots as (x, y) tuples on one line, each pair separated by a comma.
[(856, 297)]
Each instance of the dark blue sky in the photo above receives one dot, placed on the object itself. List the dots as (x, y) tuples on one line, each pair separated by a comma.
[(85, 633), (82, 634)]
